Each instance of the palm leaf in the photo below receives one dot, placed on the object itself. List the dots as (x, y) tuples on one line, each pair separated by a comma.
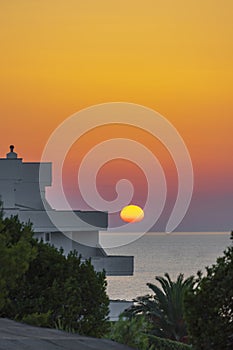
[(164, 308)]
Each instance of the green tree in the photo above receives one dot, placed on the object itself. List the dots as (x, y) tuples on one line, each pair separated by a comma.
[(16, 253), (209, 306), (62, 292), (164, 309)]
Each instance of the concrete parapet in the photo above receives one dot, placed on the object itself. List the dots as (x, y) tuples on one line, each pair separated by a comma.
[(115, 265)]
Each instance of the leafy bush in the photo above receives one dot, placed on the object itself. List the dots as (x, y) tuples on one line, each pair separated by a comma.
[(40, 286), (16, 253), (134, 332), (63, 327), (70, 290), (130, 332), (36, 319), (166, 344), (209, 307)]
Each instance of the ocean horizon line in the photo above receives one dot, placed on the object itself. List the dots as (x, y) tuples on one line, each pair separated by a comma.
[(165, 233)]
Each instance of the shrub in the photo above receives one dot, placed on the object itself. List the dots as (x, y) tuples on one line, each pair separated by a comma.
[(130, 332), (16, 253), (209, 307), (36, 319), (45, 288), (134, 332), (72, 291), (166, 344)]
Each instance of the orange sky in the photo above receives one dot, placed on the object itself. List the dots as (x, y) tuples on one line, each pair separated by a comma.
[(176, 57)]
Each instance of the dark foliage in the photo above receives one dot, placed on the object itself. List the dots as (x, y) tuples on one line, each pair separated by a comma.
[(166, 344), (134, 332), (209, 307), (16, 253), (131, 332), (41, 286), (164, 309)]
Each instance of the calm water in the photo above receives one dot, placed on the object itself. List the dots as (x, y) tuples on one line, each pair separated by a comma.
[(157, 253)]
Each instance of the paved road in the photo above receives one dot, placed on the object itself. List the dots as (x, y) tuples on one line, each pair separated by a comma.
[(19, 336)]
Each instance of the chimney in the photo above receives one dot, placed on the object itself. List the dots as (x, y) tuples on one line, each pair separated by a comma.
[(11, 154)]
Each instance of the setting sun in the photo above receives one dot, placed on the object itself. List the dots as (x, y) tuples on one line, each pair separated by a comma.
[(132, 213)]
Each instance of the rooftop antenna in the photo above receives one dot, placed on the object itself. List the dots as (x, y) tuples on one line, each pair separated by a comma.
[(11, 154)]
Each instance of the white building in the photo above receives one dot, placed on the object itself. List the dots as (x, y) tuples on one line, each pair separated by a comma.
[(21, 195)]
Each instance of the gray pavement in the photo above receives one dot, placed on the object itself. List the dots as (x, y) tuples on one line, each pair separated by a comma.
[(19, 336)]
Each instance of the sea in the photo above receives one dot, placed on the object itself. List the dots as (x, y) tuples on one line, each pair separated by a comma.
[(158, 253)]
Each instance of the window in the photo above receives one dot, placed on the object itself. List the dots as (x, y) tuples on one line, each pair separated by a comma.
[(47, 237)]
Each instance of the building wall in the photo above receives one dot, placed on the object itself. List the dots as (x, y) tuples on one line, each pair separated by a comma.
[(21, 195), (114, 265), (19, 183), (10, 175), (70, 242), (116, 307)]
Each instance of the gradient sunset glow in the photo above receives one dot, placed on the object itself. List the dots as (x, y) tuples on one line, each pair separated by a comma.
[(176, 57)]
